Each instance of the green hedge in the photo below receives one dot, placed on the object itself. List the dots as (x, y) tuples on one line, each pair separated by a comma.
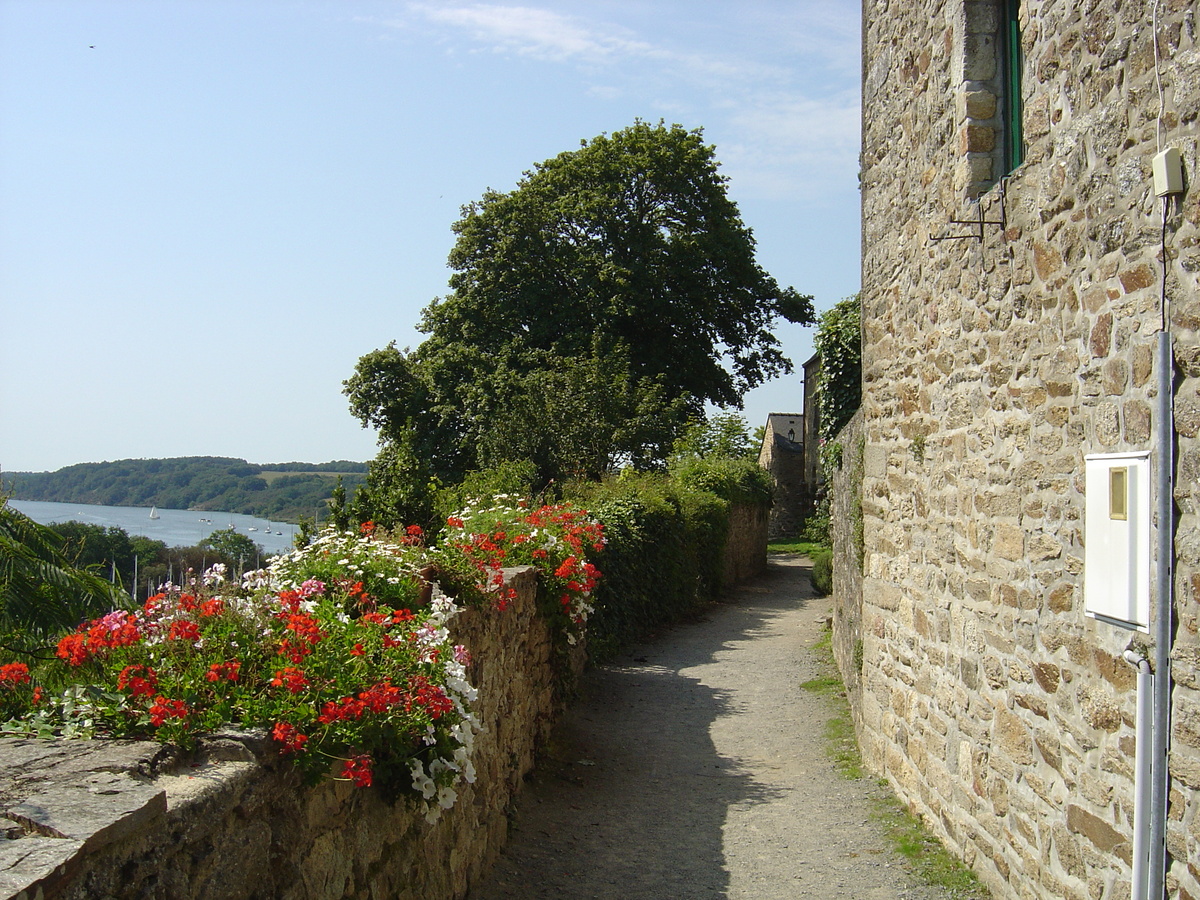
[(665, 546), (822, 572)]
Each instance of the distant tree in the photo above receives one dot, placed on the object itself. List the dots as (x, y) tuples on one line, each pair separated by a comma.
[(95, 546), (722, 436), (593, 310), (235, 550)]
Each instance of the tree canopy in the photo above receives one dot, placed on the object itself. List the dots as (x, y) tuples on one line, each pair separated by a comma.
[(594, 310)]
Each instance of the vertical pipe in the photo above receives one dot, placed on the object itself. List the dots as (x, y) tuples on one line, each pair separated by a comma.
[(1144, 724), (1164, 438)]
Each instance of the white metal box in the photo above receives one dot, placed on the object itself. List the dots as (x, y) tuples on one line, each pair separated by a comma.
[(1116, 522)]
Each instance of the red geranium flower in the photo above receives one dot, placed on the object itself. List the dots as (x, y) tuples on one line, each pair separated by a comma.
[(13, 674), (358, 770), (164, 709), (184, 630), (141, 681), (289, 736), (291, 678)]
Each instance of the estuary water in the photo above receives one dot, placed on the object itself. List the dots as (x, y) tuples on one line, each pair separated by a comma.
[(174, 527)]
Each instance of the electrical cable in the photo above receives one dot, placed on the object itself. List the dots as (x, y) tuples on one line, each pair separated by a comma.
[(1158, 125)]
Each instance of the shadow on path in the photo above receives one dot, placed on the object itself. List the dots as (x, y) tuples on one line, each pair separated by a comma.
[(632, 799)]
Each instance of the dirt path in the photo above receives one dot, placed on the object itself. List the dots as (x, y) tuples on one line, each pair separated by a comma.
[(696, 768)]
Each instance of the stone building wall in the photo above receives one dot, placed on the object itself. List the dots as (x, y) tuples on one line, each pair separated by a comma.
[(792, 501), (118, 820), (992, 365)]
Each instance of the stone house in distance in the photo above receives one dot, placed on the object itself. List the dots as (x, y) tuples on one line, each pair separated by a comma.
[(1019, 260), (782, 455), (789, 452)]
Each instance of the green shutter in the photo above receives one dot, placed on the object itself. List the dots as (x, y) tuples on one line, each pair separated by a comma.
[(1014, 145)]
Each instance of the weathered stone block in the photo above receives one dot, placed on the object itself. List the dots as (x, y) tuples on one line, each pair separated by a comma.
[(1103, 835), (1101, 338), (977, 139), (979, 104), (1008, 542)]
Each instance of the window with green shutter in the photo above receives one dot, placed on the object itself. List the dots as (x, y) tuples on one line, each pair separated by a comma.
[(1010, 58)]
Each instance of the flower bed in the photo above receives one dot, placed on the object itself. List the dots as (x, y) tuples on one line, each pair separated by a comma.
[(341, 650)]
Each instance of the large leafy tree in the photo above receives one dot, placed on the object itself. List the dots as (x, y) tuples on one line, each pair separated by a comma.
[(593, 310)]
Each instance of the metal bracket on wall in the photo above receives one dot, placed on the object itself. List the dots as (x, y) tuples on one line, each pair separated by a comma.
[(978, 224)]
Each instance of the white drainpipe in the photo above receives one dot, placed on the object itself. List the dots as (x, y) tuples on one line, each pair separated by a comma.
[(1142, 774)]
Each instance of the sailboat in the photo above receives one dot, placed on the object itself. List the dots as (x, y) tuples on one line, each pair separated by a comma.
[(154, 512)]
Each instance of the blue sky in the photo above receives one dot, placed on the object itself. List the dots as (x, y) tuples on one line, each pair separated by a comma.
[(210, 210)]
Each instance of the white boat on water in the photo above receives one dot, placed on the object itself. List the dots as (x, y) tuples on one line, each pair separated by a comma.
[(154, 512)]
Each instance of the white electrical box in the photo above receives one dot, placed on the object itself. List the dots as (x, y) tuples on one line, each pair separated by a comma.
[(1167, 169), (1116, 523)]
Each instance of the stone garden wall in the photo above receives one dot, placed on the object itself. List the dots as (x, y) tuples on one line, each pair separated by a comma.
[(993, 363), (117, 820), (113, 820), (746, 546)]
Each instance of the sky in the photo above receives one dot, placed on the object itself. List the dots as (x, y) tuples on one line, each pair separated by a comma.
[(210, 209)]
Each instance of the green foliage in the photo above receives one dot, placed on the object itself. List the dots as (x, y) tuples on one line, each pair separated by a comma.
[(41, 590), (400, 489), (840, 739), (816, 526), (280, 491), (235, 550), (857, 522), (515, 479), (839, 382), (662, 559), (738, 480), (801, 548), (822, 572), (930, 861), (593, 310), (723, 436), (917, 448)]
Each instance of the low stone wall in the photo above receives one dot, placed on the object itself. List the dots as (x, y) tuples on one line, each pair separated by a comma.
[(115, 820), (845, 523), (746, 546)]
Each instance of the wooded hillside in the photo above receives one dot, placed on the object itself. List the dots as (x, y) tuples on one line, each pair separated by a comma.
[(280, 491)]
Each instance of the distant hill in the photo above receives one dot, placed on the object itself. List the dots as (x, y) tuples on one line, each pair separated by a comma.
[(278, 491)]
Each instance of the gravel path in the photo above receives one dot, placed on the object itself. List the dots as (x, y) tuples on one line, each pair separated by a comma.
[(696, 767)]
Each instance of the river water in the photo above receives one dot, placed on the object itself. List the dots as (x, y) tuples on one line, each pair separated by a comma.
[(174, 527)]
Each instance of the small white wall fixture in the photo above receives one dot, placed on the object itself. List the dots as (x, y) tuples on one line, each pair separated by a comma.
[(1116, 522)]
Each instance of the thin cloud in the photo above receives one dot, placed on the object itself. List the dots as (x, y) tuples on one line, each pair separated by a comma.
[(784, 113), (794, 147), (534, 32)]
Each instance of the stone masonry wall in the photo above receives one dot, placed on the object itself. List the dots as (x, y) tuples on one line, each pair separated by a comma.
[(114, 820), (845, 525), (746, 546), (845, 532), (994, 705)]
